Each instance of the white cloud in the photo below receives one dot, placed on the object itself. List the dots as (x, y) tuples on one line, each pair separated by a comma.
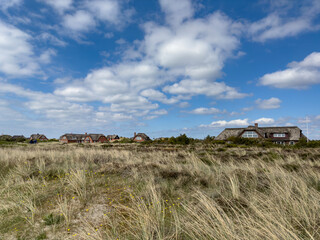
[(298, 75), (46, 56), (155, 95), (194, 50), (205, 111), (5, 4), (279, 25), (105, 10), (52, 39), (177, 12), (265, 121), (271, 103), (17, 54), (79, 21), (232, 123), (60, 5), (203, 87), (160, 112)]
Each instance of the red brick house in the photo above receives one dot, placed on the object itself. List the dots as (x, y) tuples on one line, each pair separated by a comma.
[(278, 135), (140, 137), (38, 137), (94, 138), (83, 138)]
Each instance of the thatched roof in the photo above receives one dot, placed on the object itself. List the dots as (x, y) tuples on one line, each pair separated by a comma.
[(74, 137), (81, 137), (94, 136), (37, 136), (294, 133), (143, 136)]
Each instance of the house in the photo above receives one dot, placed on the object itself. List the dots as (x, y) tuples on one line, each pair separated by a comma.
[(72, 138), (140, 137), (278, 135), (38, 137), (83, 138), (112, 138), (94, 138)]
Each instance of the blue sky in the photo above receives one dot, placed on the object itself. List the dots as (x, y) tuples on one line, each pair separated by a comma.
[(161, 67)]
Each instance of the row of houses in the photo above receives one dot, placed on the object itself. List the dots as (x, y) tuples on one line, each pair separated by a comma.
[(98, 138), (278, 135)]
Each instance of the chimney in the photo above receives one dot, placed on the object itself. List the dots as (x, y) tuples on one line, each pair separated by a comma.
[(256, 125), (135, 134)]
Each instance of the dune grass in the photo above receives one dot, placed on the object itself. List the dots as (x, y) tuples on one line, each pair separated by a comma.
[(73, 192)]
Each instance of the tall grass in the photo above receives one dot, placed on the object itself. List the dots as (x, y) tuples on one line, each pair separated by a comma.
[(55, 191)]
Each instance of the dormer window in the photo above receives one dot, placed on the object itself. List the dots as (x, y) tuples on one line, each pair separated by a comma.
[(250, 134), (279, 135)]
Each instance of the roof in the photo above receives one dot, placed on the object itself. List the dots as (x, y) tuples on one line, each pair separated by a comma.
[(81, 137), (142, 135), (294, 132), (95, 137), (114, 136), (37, 136), (73, 137)]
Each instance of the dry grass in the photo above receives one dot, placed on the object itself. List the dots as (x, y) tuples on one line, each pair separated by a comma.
[(53, 191)]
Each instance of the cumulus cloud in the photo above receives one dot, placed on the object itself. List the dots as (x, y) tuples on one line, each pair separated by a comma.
[(232, 123), (205, 111), (177, 12), (278, 24), (79, 21), (60, 5), (298, 75), (265, 121), (204, 87), (190, 49), (271, 103), (105, 10), (17, 54), (86, 15), (156, 95)]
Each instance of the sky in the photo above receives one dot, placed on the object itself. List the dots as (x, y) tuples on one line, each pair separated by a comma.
[(161, 67)]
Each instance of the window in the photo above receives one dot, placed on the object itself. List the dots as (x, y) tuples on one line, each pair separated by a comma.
[(291, 143), (279, 135), (138, 138), (250, 134)]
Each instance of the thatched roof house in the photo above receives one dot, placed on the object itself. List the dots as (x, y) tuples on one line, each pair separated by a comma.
[(279, 135), (140, 137), (38, 137), (83, 138)]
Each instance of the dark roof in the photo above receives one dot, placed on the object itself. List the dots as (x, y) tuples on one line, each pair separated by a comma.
[(81, 137), (74, 137), (114, 136), (142, 135), (37, 136), (294, 132)]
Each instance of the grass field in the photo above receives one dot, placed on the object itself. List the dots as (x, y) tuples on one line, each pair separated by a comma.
[(52, 191)]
